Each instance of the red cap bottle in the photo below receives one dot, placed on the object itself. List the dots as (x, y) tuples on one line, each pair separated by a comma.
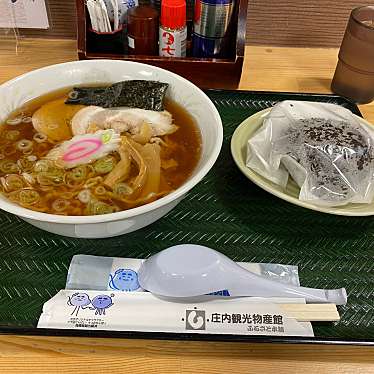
[(173, 14), (173, 30)]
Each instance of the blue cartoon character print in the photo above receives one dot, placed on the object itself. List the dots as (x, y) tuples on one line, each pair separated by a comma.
[(124, 280), (100, 303), (79, 300)]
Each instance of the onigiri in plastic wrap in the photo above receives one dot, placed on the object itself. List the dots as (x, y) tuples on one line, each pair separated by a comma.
[(326, 150)]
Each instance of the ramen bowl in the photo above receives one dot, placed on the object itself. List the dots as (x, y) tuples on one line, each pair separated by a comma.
[(18, 91)]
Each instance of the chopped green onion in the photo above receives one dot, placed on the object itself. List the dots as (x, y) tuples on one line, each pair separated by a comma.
[(43, 166), (78, 173), (76, 176), (8, 166), (48, 174), (25, 164), (122, 189), (40, 138), (14, 121), (98, 207), (24, 145), (60, 205), (26, 119), (100, 190), (12, 135), (28, 197), (12, 182), (84, 196), (104, 165)]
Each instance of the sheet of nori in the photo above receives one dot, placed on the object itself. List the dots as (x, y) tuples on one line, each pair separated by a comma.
[(133, 93)]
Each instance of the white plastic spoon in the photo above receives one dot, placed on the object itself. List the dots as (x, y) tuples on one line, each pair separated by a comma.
[(189, 270)]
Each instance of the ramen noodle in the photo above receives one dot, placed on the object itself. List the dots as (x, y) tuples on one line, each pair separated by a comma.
[(74, 159)]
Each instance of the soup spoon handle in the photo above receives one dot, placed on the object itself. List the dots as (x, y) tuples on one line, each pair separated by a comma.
[(311, 295), (246, 283)]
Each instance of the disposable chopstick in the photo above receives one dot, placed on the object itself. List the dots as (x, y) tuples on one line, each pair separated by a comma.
[(92, 12), (104, 16), (311, 312), (115, 14)]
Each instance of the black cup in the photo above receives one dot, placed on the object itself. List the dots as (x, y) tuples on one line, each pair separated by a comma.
[(114, 42)]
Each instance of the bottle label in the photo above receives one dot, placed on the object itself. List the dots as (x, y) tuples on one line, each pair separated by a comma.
[(173, 43), (131, 42)]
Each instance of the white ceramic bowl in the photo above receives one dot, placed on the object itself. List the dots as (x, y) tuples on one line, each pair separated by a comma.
[(16, 92)]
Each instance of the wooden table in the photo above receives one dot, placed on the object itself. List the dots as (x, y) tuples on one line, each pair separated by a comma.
[(266, 68)]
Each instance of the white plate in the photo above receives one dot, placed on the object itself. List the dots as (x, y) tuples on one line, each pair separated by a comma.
[(245, 131)]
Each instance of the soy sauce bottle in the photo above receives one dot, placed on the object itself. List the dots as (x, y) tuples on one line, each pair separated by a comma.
[(142, 29)]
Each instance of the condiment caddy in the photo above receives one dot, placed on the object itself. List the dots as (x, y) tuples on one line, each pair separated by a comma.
[(208, 40)]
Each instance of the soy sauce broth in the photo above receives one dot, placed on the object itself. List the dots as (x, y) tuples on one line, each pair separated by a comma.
[(186, 152)]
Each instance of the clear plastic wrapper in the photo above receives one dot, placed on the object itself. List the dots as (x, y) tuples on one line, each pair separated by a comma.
[(326, 149), (121, 274)]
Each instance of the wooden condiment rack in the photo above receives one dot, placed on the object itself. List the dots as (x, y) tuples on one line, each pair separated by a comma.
[(206, 73)]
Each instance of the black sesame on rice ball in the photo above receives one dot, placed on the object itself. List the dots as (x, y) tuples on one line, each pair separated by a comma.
[(337, 156)]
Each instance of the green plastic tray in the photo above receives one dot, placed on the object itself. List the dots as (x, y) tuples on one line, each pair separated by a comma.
[(226, 212)]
